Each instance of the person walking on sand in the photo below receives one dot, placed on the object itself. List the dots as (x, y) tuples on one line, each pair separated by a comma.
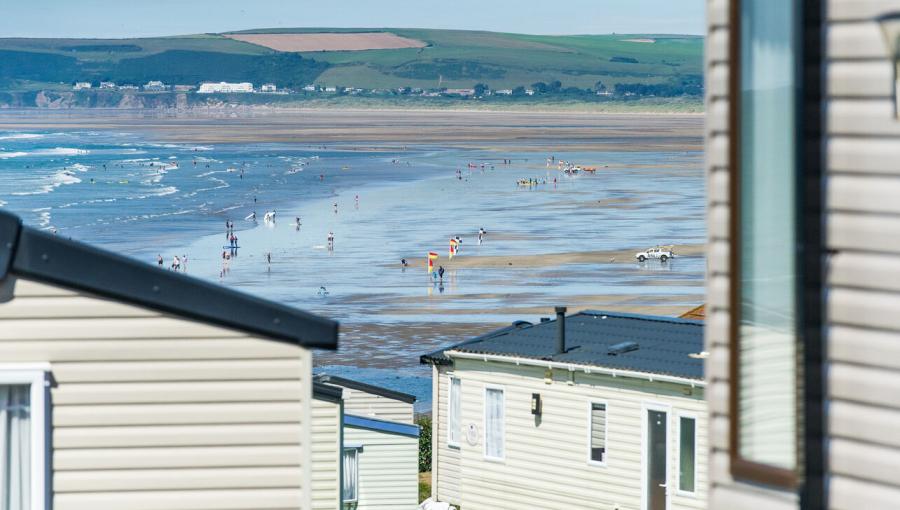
[(330, 240), (335, 208), (441, 273), (159, 260)]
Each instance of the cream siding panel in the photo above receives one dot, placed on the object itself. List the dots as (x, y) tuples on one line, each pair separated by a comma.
[(859, 10), (546, 460), (152, 411), (446, 458), (361, 403), (86, 459), (852, 79), (326, 455), (388, 469), (863, 288), (862, 155), (220, 499), (857, 41)]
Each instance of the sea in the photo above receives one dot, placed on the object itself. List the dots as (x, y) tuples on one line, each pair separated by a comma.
[(148, 198)]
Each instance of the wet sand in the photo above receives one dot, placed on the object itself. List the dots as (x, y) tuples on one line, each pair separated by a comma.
[(526, 131)]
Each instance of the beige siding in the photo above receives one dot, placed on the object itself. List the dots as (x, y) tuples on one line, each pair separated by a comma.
[(546, 459), (326, 454), (863, 288), (361, 403), (445, 459), (156, 412), (388, 469)]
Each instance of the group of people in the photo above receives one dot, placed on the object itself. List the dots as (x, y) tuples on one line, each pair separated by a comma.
[(178, 263)]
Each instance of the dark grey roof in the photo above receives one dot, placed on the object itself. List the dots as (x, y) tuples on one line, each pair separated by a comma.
[(327, 392), (30, 253), (664, 343), (368, 388)]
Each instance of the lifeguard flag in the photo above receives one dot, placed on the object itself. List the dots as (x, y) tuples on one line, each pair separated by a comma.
[(432, 256), (454, 244)]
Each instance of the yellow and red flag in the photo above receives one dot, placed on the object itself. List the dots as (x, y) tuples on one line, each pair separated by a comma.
[(454, 246), (432, 256)]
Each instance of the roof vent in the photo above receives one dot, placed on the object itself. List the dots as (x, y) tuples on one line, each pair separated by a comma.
[(622, 348), (545, 319)]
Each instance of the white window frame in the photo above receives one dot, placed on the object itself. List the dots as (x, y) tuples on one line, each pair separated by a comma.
[(356, 450), (450, 442), (484, 415), (679, 415), (36, 376), (591, 461)]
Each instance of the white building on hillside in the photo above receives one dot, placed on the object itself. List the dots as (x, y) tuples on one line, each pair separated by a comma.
[(82, 85), (107, 85), (225, 88), (155, 86), (268, 88)]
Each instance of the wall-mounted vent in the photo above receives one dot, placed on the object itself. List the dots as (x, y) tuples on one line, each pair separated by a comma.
[(622, 348)]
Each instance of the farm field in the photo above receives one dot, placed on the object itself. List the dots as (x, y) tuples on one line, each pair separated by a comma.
[(348, 58)]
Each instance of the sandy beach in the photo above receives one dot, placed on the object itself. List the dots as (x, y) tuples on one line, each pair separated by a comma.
[(537, 132), (404, 183)]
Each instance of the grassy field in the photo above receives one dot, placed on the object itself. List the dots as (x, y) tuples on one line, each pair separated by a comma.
[(452, 58)]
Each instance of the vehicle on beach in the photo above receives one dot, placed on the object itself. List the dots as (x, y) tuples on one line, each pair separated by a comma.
[(663, 253)]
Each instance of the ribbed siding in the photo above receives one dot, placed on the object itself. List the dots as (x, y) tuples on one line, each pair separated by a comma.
[(864, 272), (326, 454), (388, 469), (446, 458), (156, 412), (361, 403), (546, 460)]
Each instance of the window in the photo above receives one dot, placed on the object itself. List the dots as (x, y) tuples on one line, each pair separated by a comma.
[(23, 451), (453, 408), (493, 423), (350, 486), (597, 440), (687, 454), (768, 268)]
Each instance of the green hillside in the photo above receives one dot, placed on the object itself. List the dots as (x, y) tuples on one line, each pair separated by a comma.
[(452, 58)]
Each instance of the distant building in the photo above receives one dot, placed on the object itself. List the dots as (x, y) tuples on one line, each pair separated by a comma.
[(129, 87), (82, 85), (225, 88), (268, 88), (155, 86), (330, 89), (605, 92), (460, 92), (503, 92), (183, 88), (596, 410), (529, 92), (365, 444), (310, 88), (107, 85)]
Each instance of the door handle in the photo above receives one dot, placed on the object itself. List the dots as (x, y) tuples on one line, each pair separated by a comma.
[(664, 485)]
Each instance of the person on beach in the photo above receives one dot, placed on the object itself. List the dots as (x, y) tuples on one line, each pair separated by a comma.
[(458, 245), (481, 233), (335, 208), (441, 273), (404, 263), (269, 258), (159, 260), (330, 240)]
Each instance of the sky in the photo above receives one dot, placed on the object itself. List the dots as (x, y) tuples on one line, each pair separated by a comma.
[(142, 18)]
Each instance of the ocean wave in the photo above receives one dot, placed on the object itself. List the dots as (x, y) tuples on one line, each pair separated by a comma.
[(21, 136), (80, 167), (54, 181), (43, 216), (58, 151)]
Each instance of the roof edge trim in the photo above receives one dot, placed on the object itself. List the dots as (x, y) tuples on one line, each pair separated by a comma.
[(368, 388), (615, 372), (392, 427), (48, 258)]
